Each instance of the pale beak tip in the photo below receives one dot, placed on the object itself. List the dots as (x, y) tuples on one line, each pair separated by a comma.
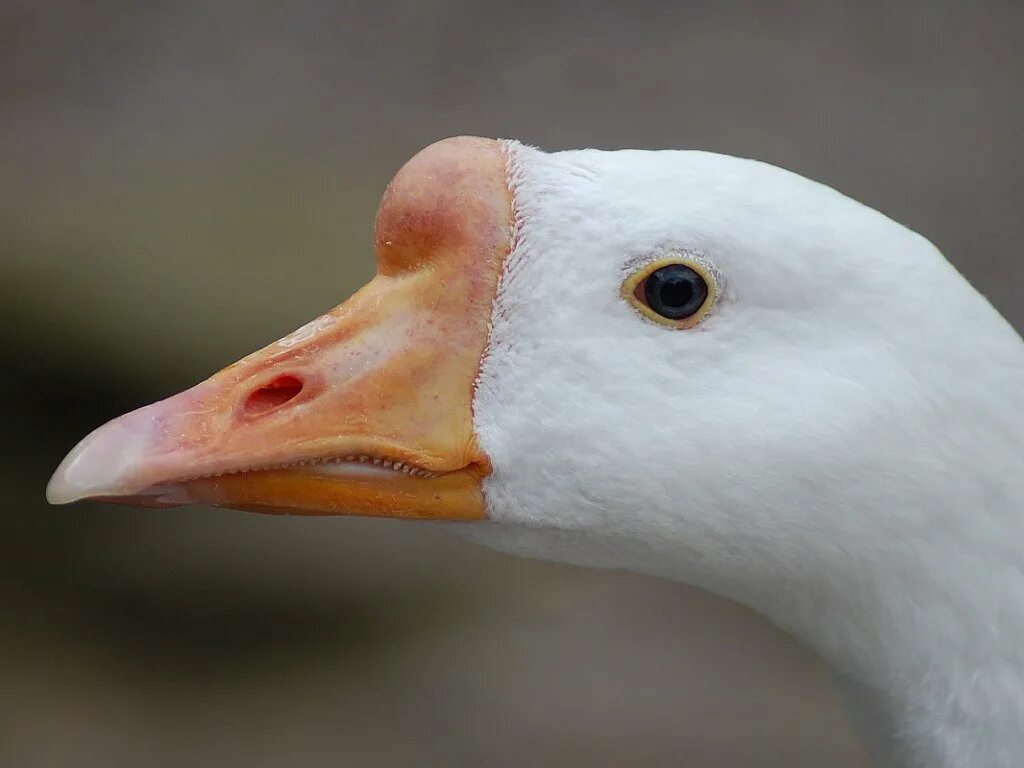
[(100, 464), (79, 475), (60, 491)]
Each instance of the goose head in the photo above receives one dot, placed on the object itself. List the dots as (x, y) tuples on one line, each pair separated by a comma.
[(681, 363)]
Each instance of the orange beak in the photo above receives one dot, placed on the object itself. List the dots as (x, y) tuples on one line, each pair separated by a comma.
[(366, 410)]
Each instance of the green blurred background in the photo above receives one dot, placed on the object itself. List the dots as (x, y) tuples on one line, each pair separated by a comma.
[(183, 182)]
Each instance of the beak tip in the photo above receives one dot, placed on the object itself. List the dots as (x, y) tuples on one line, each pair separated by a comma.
[(73, 482), (60, 491), (100, 464)]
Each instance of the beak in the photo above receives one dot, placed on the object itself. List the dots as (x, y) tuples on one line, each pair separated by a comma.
[(366, 410)]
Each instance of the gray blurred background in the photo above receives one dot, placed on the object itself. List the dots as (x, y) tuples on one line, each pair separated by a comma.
[(183, 182)]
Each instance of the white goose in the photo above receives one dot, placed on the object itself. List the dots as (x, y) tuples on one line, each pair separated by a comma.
[(679, 363)]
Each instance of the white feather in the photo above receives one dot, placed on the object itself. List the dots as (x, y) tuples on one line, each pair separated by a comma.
[(840, 445)]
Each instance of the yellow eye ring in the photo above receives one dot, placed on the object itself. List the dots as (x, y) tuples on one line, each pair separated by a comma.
[(675, 291)]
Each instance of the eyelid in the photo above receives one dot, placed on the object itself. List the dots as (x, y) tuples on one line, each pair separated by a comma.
[(641, 269)]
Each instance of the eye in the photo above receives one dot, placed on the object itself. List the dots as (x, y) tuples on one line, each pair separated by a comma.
[(673, 292)]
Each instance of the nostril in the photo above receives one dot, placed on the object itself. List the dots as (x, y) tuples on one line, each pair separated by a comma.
[(272, 395)]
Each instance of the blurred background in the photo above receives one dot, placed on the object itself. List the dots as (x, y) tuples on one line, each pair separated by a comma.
[(183, 182)]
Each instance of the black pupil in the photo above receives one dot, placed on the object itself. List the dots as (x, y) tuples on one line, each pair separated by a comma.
[(675, 291)]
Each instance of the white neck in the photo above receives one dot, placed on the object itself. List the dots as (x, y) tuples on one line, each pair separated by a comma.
[(933, 677), (924, 639), (924, 644), (926, 655)]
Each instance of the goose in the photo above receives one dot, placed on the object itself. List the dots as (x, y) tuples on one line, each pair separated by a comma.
[(680, 363)]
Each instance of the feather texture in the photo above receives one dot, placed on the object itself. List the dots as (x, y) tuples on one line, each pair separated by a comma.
[(839, 445)]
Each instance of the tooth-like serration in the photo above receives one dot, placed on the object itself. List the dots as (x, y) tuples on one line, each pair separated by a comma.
[(362, 458)]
